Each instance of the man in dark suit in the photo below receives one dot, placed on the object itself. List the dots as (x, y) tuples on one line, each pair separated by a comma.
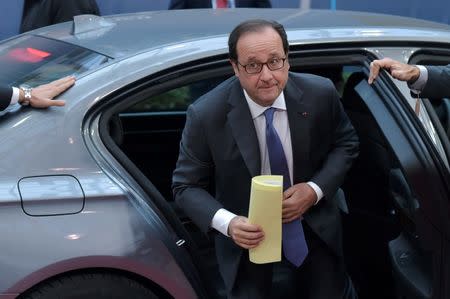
[(38, 97), (187, 4), (5, 97), (40, 13), (428, 81), (224, 142)]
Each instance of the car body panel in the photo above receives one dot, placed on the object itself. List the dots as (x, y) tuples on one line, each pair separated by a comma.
[(115, 227), (60, 150), (115, 236)]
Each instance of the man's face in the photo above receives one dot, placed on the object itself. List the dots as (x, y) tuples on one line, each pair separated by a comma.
[(261, 47)]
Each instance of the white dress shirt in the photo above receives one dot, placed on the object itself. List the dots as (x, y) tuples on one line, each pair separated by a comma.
[(419, 84), (222, 218), (14, 96)]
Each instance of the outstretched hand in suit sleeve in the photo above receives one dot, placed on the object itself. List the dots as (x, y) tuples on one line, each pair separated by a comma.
[(398, 70)]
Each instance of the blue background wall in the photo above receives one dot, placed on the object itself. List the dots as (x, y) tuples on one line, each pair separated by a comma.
[(10, 16), (434, 10)]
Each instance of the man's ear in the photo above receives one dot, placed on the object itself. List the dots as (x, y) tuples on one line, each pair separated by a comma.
[(287, 61), (235, 67), (287, 64)]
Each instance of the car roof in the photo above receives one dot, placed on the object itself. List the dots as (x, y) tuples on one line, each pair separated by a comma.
[(124, 35)]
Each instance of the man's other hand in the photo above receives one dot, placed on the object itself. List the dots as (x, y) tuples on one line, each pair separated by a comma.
[(297, 200), (245, 234)]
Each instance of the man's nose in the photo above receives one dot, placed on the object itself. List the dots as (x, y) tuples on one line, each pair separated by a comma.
[(266, 73)]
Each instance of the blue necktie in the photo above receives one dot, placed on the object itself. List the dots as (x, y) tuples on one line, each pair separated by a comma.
[(295, 248)]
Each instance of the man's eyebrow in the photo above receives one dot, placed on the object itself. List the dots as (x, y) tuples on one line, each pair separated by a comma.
[(250, 58), (274, 54)]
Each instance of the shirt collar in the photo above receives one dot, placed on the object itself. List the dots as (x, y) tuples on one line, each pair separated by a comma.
[(256, 109)]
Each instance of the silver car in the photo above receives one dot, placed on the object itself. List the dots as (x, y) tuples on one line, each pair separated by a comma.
[(86, 209)]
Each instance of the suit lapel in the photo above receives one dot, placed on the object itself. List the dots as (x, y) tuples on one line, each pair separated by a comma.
[(298, 116), (243, 129)]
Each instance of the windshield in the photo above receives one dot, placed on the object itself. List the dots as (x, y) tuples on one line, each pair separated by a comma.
[(34, 60)]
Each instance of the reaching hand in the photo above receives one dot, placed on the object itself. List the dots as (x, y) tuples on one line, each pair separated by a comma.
[(42, 95), (398, 70), (245, 234), (297, 200)]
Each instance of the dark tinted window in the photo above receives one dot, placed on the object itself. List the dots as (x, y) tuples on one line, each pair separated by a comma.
[(177, 99), (34, 60)]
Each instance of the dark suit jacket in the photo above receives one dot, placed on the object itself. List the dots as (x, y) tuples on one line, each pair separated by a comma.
[(5, 97), (185, 4), (40, 13), (219, 145), (438, 83)]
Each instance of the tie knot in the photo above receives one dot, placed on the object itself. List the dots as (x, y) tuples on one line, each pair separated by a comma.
[(269, 114)]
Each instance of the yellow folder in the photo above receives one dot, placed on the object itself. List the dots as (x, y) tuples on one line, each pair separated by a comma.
[(265, 209)]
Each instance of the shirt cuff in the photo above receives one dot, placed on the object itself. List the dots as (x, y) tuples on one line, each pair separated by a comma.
[(221, 220), (316, 189), (15, 96), (419, 84)]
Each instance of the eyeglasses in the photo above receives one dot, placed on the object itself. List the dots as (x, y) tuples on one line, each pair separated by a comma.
[(256, 67)]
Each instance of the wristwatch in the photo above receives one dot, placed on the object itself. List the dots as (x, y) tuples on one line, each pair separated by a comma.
[(27, 95)]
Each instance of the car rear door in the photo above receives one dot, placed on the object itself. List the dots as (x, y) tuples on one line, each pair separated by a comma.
[(420, 189)]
